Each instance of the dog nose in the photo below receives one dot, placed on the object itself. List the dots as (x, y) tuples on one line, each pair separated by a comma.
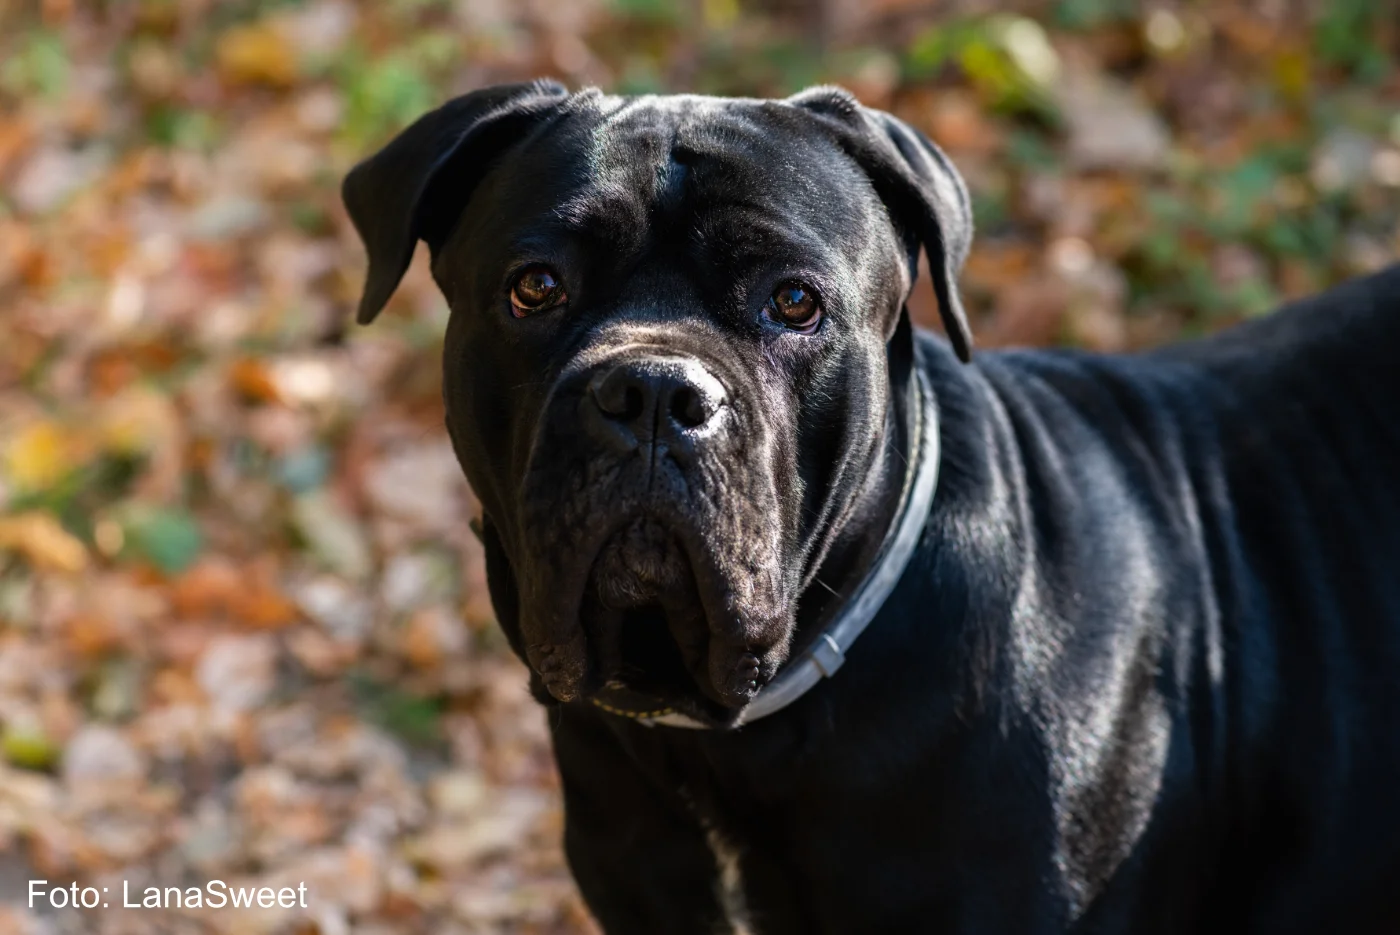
[(669, 395)]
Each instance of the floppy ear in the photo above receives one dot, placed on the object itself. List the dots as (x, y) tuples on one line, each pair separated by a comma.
[(416, 187), (925, 195)]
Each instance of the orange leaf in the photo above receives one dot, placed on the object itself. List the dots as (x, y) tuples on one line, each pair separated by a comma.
[(208, 589), (264, 607), (256, 54), (216, 589), (253, 381), (89, 634)]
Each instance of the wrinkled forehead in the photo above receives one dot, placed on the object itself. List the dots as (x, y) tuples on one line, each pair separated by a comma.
[(719, 170), (708, 148)]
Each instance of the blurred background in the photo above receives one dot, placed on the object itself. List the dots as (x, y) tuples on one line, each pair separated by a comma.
[(243, 627)]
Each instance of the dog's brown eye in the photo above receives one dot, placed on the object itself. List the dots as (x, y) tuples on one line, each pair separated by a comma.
[(795, 306), (536, 288)]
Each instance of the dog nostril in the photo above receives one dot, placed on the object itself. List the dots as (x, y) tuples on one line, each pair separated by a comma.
[(632, 404), (618, 395), (688, 408)]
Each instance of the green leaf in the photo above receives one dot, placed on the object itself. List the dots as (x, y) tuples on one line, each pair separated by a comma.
[(990, 208), (1254, 297), (655, 11), (991, 52), (309, 217), (1028, 149), (167, 538), (39, 67), (414, 719), (1346, 36), (385, 96), (1246, 188), (932, 48), (183, 128), (641, 77), (1091, 14), (28, 748)]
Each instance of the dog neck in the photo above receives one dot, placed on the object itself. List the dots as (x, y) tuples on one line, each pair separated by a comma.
[(865, 523)]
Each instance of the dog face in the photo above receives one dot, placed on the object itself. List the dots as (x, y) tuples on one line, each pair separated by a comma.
[(665, 371)]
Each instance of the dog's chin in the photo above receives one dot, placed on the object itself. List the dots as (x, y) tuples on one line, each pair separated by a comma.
[(646, 622)]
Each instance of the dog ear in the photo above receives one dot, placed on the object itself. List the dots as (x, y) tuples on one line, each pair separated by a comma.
[(924, 193), (416, 187)]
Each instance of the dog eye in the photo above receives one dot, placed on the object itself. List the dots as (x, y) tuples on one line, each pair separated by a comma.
[(535, 289), (795, 306)]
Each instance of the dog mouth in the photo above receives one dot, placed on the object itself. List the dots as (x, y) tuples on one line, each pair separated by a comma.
[(644, 616), (628, 579)]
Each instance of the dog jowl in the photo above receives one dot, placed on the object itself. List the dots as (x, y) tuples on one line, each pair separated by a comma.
[(665, 368)]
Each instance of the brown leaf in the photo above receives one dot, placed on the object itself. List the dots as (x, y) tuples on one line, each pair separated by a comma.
[(215, 588), (89, 633)]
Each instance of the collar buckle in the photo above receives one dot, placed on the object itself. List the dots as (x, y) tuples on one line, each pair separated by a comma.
[(827, 655)]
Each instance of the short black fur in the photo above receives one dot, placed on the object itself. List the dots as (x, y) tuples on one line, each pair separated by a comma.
[(1141, 673)]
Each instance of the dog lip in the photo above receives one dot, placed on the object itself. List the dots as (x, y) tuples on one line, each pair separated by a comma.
[(720, 663), (736, 670), (555, 604), (739, 656)]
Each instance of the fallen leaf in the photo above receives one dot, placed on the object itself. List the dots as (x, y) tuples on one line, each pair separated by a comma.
[(256, 54), (333, 534), (238, 672), (90, 633), (253, 380), (41, 455), (167, 538), (216, 588), (43, 541), (431, 636), (138, 420), (101, 754), (28, 748)]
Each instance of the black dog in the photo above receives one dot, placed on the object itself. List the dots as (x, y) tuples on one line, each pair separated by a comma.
[(1136, 669)]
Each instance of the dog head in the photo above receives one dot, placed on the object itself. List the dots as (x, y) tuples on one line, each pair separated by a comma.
[(666, 370)]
